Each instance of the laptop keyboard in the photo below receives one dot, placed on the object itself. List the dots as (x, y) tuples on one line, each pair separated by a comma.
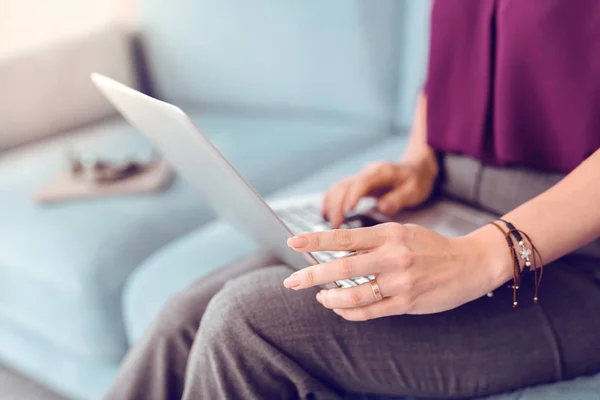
[(308, 218)]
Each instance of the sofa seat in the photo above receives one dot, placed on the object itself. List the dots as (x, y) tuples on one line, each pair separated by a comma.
[(203, 251), (63, 266)]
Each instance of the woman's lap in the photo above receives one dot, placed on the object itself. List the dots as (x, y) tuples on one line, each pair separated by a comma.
[(255, 332), (483, 347)]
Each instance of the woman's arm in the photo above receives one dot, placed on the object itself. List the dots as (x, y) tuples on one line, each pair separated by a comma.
[(418, 151), (422, 272), (401, 184), (560, 220)]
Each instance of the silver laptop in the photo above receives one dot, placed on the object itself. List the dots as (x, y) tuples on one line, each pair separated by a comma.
[(195, 159)]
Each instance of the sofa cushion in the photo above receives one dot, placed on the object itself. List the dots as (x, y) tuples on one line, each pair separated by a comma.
[(583, 388), (335, 57), (63, 266), (73, 376), (46, 89), (412, 69)]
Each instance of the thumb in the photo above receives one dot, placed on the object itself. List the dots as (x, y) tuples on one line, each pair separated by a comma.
[(395, 200)]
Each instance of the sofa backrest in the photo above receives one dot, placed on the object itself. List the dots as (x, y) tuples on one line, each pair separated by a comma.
[(412, 69), (347, 58), (46, 89)]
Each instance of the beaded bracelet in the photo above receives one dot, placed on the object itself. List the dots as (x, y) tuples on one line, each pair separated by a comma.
[(536, 255), (516, 267), (525, 254)]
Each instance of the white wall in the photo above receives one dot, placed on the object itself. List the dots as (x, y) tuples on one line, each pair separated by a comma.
[(31, 22)]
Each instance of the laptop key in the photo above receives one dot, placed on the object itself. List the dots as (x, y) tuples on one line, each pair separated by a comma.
[(339, 254), (346, 283), (320, 228), (360, 280)]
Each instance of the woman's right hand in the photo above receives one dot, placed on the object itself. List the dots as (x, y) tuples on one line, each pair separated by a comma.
[(396, 185)]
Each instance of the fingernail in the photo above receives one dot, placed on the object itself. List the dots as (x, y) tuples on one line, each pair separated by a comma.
[(292, 282), (319, 298), (297, 242)]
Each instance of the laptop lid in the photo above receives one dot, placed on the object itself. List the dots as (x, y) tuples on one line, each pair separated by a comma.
[(196, 159)]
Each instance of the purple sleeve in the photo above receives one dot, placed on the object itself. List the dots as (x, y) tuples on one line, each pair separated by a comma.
[(514, 82)]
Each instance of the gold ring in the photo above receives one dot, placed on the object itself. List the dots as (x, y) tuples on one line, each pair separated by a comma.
[(376, 290)]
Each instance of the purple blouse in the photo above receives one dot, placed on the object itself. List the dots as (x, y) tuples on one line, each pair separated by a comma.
[(515, 82)]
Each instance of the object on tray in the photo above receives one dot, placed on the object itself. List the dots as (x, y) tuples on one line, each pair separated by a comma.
[(90, 177)]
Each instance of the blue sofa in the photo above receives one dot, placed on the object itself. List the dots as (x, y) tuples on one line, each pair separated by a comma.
[(296, 94)]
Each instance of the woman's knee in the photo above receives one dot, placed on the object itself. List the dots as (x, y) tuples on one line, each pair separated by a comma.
[(180, 315), (237, 341), (248, 302)]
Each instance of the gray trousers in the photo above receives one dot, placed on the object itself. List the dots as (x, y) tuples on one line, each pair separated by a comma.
[(239, 334)]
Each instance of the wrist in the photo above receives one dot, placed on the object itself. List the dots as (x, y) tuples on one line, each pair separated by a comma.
[(490, 251), (424, 159)]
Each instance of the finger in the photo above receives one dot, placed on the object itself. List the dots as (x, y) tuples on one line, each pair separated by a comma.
[(325, 203), (327, 198), (367, 181), (342, 268), (357, 296), (395, 200), (383, 308), (339, 239), (334, 211)]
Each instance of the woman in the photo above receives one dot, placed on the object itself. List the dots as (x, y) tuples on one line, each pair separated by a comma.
[(510, 106)]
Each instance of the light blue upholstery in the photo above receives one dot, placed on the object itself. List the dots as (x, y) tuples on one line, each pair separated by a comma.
[(74, 376), (412, 68), (584, 388), (335, 57), (353, 58)]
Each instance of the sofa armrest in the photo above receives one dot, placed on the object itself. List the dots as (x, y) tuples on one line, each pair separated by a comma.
[(47, 90)]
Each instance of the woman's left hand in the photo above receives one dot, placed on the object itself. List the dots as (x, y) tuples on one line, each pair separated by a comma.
[(418, 271)]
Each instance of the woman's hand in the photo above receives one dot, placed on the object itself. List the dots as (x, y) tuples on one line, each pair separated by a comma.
[(397, 185), (418, 271)]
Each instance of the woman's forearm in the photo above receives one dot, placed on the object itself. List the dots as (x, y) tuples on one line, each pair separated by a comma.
[(560, 220), (566, 216), (418, 151)]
